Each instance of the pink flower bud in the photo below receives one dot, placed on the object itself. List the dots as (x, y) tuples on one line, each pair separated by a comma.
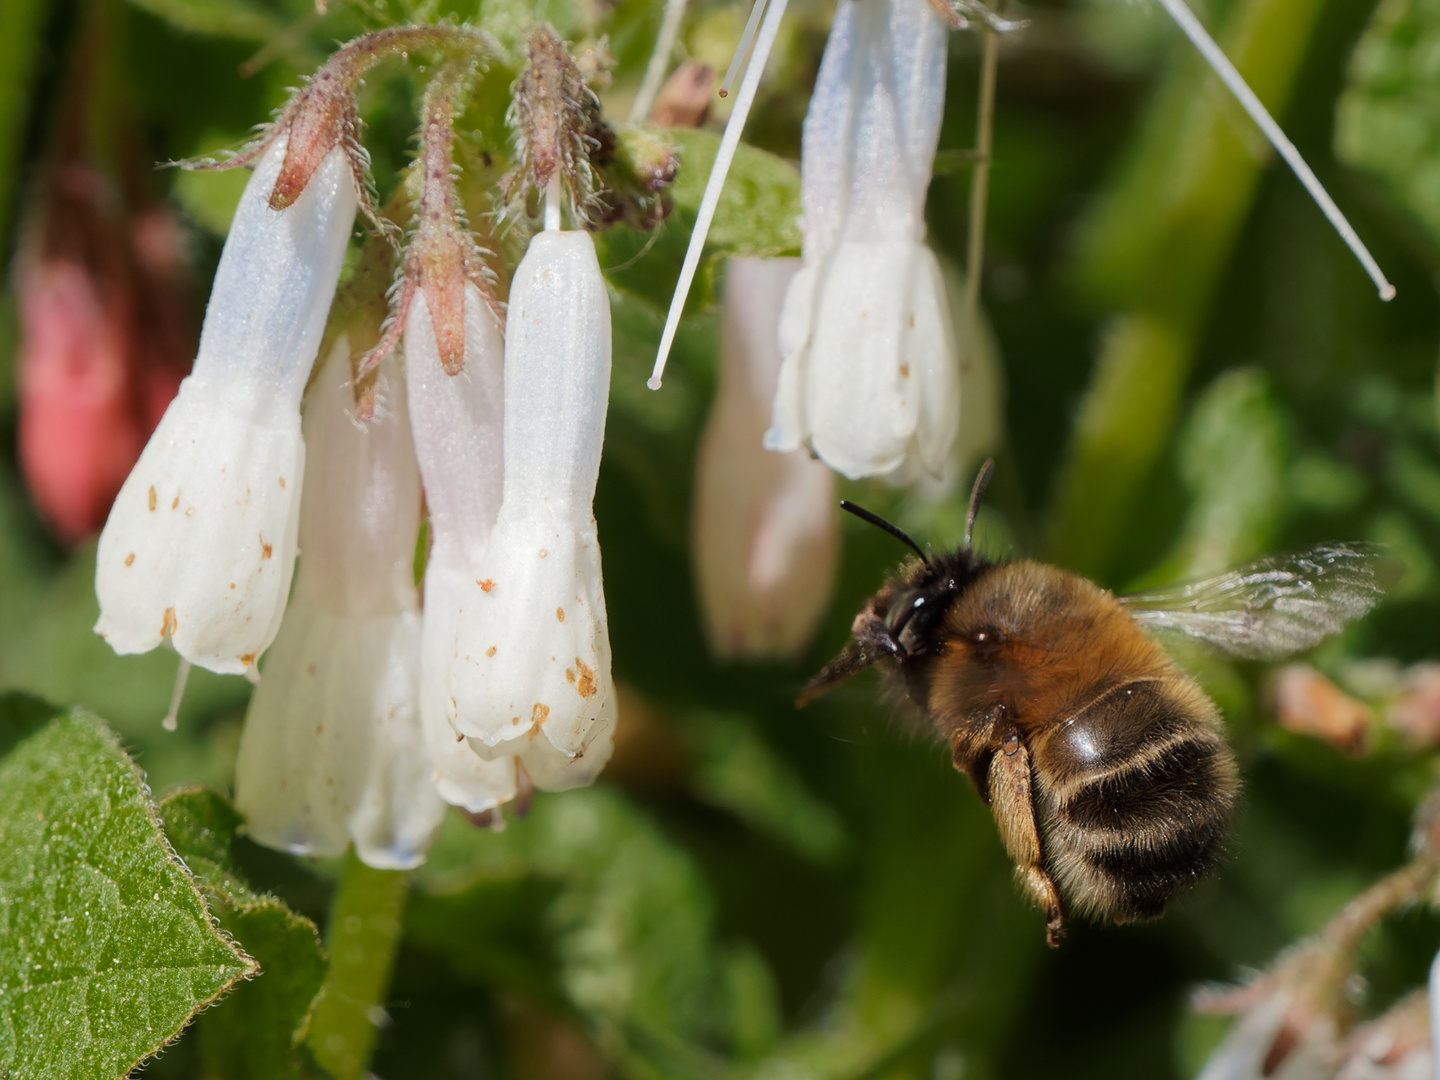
[(765, 525), (103, 344)]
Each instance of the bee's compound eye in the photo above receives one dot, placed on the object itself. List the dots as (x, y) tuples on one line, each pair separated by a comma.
[(902, 611)]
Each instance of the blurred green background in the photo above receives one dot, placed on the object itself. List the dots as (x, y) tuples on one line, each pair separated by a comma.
[(1196, 372)]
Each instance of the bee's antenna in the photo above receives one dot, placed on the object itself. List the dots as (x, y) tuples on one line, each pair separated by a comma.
[(879, 522), (982, 480)]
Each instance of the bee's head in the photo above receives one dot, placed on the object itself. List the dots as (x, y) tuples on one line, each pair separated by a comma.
[(902, 620)]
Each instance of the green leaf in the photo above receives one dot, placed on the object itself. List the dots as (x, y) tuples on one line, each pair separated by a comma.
[(106, 946), (758, 214), (737, 771), (258, 1032), (1388, 120), (223, 18), (627, 930)]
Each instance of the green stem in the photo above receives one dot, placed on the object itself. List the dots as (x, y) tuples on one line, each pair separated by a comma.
[(1156, 248), (980, 178), (362, 936)]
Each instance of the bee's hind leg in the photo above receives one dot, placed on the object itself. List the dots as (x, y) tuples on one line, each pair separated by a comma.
[(1013, 805)]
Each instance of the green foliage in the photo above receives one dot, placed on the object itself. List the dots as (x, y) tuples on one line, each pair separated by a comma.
[(106, 946), (1388, 121), (257, 1033)]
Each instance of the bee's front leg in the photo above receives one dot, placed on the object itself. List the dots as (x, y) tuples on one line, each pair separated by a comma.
[(1013, 805)]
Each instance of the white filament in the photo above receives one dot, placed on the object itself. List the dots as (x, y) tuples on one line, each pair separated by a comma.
[(729, 142), (742, 49), (1236, 84), (659, 61)]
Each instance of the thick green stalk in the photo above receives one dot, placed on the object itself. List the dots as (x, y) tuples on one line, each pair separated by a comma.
[(1155, 249), (366, 920)]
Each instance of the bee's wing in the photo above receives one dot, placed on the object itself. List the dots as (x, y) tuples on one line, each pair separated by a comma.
[(1269, 608)]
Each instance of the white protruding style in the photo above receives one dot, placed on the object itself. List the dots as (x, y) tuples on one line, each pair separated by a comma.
[(729, 143), (765, 527), (332, 750), (531, 671), (457, 430), (200, 544), (1191, 27), (870, 381)]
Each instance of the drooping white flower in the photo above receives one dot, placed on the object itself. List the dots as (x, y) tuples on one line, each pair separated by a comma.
[(531, 669), (870, 379), (200, 544), (765, 527), (332, 750), (457, 430)]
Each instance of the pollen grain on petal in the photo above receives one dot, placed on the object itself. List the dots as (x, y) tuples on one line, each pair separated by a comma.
[(560, 614), (168, 623), (152, 496), (130, 559), (587, 685)]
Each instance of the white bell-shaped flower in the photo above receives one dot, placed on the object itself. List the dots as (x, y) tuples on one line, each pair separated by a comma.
[(332, 750), (766, 534), (200, 544), (870, 380), (531, 670), (458, 431)]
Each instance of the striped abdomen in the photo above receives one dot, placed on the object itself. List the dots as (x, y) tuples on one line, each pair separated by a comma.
[(1134, 795)]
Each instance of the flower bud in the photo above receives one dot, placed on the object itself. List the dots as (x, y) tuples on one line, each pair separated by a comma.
[(457, 429), (870, 378), (531, 668), (766, 535), (332, 749), (102, 341), (200, 544)]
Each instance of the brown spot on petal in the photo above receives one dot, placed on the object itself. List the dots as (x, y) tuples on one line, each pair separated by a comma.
[(543, 553), (265, 549), (490, 651), (175, 503), (586, 686), (282, 481), (168, 623), (515, 721), (248, 659), (570, 675), (130, 559), (912, 320), (560, 613), (538, 714), (152, 496), (189, 511), (904, 371), (486, 585)]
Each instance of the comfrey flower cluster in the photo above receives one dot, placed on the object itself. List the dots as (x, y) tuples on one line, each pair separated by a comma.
[(379, 706)]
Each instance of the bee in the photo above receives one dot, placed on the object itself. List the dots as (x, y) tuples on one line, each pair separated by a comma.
[(1104, 764)]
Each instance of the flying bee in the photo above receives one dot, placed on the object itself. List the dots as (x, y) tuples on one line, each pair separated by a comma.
[(1104, 764)]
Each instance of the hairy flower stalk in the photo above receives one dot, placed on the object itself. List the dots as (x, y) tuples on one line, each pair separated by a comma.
[(200, 544), (332, 750), (765, 526), (870, 380), (530, 675)]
